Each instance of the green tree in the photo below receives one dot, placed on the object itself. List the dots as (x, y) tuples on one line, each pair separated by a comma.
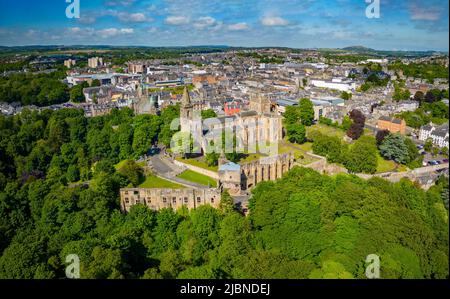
[(428, 145), (395, 148), (133, 172), (362, 155), (346, 95), (209, 113), (292, 115), (296, 133), (76, 93), (306, 111)]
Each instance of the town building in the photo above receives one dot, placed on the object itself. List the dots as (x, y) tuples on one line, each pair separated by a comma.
[(95, 62), (341, 84), (232, 107), (438, 134), (69, 63), (393, 125)]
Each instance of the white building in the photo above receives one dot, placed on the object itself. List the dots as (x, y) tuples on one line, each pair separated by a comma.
[(69, 63), (381, 61), (95, 62), (439, 134), (336, 83)]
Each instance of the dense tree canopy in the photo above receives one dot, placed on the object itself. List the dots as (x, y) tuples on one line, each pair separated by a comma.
[(59, 195)]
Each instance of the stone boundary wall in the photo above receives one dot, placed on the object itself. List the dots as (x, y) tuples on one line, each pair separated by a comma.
[(324, 167)]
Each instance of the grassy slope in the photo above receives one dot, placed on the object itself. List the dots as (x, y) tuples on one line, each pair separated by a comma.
[(198, 178)]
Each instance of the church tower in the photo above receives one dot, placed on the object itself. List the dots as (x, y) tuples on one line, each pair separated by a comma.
[(186, 111), (259, 103)]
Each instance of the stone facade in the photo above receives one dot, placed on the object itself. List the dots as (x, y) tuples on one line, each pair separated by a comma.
[(265, 169), (230, 177), (157, 199), (251, 127)]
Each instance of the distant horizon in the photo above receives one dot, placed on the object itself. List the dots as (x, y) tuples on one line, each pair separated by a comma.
[(219, 46), (414, 25)]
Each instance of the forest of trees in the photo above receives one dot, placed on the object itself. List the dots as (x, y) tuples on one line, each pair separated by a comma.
[(428, 71), (59, 196), (39, 89)]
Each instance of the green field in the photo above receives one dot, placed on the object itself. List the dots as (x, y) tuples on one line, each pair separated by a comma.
[(198, 178), (300, 151), (389, 165), (156, 182), (325, 130)]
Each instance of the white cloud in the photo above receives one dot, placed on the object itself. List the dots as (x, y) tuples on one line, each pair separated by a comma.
[(238, 26), (424, 13), (127, 30), (132, 17), (176, 20), (87, 19), (274, 21), (204, 22), (103, 33), (74, 30), (120, 2)]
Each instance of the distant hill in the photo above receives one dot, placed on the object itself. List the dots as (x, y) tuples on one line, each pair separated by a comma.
[(359, 49), (386, 53)]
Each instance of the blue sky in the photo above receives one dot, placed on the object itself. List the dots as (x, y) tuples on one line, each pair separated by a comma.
[(403, 24)]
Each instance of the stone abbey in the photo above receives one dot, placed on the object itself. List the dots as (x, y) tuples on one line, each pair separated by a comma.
[(260, 126)]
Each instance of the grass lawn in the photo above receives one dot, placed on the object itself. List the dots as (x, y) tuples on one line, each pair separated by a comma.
[(307, 146), (325, 130), (306, 159), (156, 182), (385, 165), (299, 150), (389, 165), (199, 163), (198, 178)]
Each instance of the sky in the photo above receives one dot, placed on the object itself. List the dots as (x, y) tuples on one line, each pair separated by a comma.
[(402, 24)]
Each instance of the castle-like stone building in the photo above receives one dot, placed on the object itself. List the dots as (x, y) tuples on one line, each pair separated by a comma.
[(258, 125), (237, 178), (254, 130), (159, 198)]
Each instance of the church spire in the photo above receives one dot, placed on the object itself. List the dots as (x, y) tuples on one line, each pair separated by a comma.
[(186, 98)]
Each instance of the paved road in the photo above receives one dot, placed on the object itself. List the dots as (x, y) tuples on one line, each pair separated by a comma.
[(159, 166)]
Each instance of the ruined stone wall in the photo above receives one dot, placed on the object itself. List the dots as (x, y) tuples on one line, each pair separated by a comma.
[(265, 169), (158, 198)]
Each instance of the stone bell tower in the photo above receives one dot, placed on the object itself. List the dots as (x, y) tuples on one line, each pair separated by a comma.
[(186, 111)]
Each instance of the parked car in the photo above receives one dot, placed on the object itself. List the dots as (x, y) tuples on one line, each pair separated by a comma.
[(445, 160)]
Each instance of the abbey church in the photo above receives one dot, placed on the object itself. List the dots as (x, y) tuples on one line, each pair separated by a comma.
[(258, 125)]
